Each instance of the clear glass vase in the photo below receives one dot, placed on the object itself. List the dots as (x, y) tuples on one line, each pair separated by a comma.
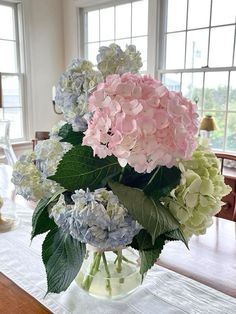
[(110, 274)]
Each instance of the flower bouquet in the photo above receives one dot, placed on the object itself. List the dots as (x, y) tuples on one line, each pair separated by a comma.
[(123, 175)]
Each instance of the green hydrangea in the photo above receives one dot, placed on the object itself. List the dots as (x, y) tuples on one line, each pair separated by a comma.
[(198, 196), (113, 60)]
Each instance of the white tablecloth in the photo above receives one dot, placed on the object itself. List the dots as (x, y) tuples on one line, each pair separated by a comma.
[(163, 291)]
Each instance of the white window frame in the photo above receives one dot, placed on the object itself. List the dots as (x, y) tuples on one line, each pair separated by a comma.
[(157, 25), (160, 70), (95, 5), (17, 8)]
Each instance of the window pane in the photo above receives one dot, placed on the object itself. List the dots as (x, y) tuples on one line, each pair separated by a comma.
[(197, 47), (93, 52), (11, 91), (199, 13), (232, 92), (223, 12), (123, 42), (107, 24), (8, 56), (192, 84), (177, 10), (231, 132), (141, 45), (217, 136), (140, 18), (215, 93), (93, 26), (221, 46), (175, 48), (123, 21), (6, 22), (15, 116), (172, 81), (105, 43)]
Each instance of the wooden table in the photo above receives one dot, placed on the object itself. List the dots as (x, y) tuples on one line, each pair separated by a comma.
[(211, 259), (14, 300)]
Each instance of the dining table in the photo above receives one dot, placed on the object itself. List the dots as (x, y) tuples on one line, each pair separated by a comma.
[(198, 280)]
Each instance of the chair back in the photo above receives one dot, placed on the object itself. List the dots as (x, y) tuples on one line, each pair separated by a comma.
[(40, 136)]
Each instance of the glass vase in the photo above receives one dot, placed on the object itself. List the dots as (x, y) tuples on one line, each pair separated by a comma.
[(110, 274)]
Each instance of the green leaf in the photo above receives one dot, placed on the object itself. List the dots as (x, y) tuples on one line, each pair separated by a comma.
[(70, 136), (163, 181), (80, 169), (149, 257), (176, 234), (41, 222), (62, 256), (150, 213)]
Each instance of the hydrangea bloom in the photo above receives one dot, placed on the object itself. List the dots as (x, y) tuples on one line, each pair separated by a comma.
[(73, 89), (140, 122), (198, 196), (97, 218), (48, 153), (113, 60), (31, 171), (28, 179)]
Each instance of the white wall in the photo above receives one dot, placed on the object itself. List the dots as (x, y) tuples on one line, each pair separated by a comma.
[(44, 60)]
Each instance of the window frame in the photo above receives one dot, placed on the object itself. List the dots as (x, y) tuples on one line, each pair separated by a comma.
[(156, 47), (18, 29), (83, 28), (160, 70)]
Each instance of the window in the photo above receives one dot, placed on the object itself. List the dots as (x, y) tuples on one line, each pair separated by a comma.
[(119, 23), (10, 69), (199, 59), (190, 46)]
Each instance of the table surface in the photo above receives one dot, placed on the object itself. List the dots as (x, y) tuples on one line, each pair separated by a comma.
[(211, 260)]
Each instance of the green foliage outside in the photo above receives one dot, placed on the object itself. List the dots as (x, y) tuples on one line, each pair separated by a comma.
[(215, 100)]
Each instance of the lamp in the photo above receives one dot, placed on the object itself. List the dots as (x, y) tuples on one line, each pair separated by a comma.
[(208, 124)]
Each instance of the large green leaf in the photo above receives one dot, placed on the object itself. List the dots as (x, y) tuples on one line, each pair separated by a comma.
[(70, 136), (80, 169), (176, 234), (149, 212), (149, 257), (40, 220), (62, 256), (148, 251)]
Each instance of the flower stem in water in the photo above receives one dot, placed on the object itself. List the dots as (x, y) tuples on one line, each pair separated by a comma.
[(108, 282)]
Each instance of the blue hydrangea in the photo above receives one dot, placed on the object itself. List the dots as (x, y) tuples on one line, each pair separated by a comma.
[(72, 92), (96, 218)]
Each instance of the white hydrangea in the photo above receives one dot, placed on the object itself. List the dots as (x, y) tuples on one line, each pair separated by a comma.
[(31, 171), (48, 153)]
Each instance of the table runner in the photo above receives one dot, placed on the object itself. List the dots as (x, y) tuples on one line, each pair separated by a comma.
[(163, 291)]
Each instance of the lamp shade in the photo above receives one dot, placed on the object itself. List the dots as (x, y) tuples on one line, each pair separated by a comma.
[(208, 124)]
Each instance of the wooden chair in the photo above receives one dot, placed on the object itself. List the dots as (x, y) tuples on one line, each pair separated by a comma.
[(228, 210), (40, 136)]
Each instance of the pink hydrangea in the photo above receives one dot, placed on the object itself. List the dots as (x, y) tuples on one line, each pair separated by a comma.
[(141, 122)]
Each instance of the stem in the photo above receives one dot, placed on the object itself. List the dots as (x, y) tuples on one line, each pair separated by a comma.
[(151, 180), (94, 268), (119, 261), (108, 282), (121, 174)]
